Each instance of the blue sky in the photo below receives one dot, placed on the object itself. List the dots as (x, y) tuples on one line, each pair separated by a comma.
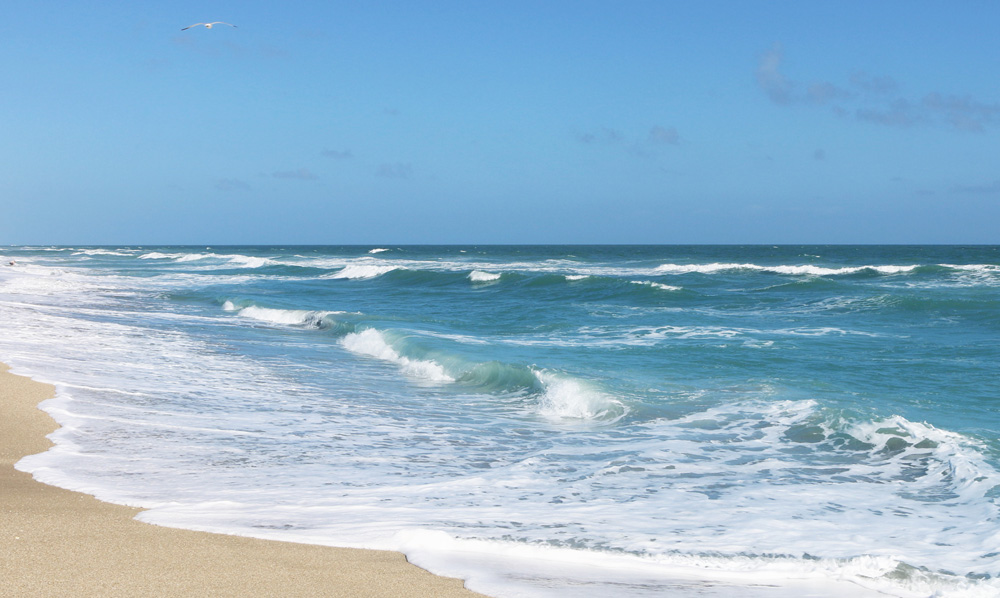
[(500, 122)]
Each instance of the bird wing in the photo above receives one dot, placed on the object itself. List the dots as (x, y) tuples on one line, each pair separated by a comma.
[(195, 25), (224, 23)]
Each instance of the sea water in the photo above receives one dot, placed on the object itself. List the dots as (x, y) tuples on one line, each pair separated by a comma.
[(540, 421)]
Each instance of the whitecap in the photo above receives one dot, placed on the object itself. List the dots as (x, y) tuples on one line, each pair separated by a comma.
[(361, 271), (800, 270), (372, 343), (480, 276), (565, 397), (657, 285), (288, 317)]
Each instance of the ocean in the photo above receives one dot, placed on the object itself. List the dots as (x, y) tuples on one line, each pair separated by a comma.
[(541, 421)]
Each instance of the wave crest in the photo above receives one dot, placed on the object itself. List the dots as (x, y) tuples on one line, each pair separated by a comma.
[(565, 398), (372, 343), (361, 271)]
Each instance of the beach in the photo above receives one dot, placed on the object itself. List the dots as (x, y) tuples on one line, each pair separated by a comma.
[(62, 543)]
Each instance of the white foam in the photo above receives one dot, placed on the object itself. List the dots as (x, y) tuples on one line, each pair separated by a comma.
[(371, 342), (289, 317), (657, 285), (248, 261), (156, 255), (480, 276), (103, 252), (361, 271), (565, 397), (193, 257), (973, 267), (575, 277), (378, 250)]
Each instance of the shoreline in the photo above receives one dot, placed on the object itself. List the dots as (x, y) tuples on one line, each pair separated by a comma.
[(63, 543)]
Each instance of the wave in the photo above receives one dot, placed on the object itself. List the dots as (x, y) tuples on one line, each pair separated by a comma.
[(556, 395), (360, 272), (803, 270), (990, 268), (378, 250), (231, 260), (121, 253), (372, 343), (288, 317), (480, 276), (565, 397), (156, 255)]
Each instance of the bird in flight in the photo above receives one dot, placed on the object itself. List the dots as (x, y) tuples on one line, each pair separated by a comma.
[(208, 25)]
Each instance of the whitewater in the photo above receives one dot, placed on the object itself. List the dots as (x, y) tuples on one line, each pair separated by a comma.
[(540, 421)]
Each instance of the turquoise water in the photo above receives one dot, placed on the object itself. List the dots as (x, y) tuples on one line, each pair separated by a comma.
[(541, 421)]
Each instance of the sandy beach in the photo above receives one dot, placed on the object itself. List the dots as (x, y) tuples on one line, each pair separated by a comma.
[(61, 543)]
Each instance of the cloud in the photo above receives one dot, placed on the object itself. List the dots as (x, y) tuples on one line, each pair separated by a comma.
[(337, 155), (770, 79), (302, 174), (397, 170), (820, 93), (963, 112), (666, 135), (874, 99), (604, 135), (987, 189), (872, 84), (899, 113), (231, 185)]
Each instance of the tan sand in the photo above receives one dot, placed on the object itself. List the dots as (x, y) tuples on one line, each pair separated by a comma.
[(54, 542)]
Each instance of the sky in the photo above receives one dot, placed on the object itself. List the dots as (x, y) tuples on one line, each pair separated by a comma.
[(481, 121)]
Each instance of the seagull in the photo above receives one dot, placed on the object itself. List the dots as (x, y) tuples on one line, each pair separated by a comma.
[(208, 25)]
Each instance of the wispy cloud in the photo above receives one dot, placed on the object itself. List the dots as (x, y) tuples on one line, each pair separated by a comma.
[(963, 112), (302, 174), (396, 170), (603, 135), (771, 80), (872, 84), (667, 135), (337, 155), (987, 189), (874, 99), (637, 145), (231, 185)]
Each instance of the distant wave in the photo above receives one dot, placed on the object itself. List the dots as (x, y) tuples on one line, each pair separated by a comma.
[(378, 250), (103, 252), (231, 260), (791, 270), (657, 285), (361, 271)]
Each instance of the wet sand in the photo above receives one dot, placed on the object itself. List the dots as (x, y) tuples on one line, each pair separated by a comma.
[(55, 542)]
